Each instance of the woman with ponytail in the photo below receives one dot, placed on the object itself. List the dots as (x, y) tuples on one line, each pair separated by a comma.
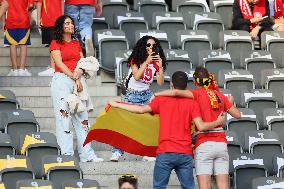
[(211, 154)]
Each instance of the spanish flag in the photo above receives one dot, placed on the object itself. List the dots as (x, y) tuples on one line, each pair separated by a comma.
[(133, 133)]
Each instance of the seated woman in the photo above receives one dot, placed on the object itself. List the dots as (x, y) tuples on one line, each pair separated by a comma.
[(251, 16), (128, 181)]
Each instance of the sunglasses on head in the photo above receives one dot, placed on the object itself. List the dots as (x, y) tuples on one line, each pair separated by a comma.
[(128, 176), (151, 45)]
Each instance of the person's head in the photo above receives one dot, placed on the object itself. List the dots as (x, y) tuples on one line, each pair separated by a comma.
[(179, 80), (63, 25), (128, 181), (143, 48), (254, 1), (201, 76)]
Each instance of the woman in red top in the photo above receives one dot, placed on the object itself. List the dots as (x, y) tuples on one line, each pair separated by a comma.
[(66, 52), (211, 154)]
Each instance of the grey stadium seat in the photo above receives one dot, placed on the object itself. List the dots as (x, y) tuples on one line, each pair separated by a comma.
[(236, 80), (59, 169), (170, 22), (274, 43), (210, 22), (225, 9), (108, 42), (154, 87), (273, 119), (9, 102), (160, 35), (215, 60), (121, 60), (192, 6), (190, 82), (81, 183), (247, 167), (236, 41), (264, 144), (267, 182), (35, 145), (15, 168), (130, 22), (34, 183), (110, 8), (278, 164), (273, 79), (193, 42), (247, 122), (178, 60), (6, 145), (148, 7), (255, 62)]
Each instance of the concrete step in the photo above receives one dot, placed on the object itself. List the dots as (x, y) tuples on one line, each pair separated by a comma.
[(32, 51), (32, 61)]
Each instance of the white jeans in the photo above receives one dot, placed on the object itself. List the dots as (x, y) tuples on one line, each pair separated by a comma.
[(61, 87)]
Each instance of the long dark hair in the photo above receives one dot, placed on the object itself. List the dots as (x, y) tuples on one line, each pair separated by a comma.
[(139, 53), (59, 28)]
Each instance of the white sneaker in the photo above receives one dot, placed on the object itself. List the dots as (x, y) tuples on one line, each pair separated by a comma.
[(146, 158), (48, 72), (24, 72), (89, 47), (115, 157), (13, 73)]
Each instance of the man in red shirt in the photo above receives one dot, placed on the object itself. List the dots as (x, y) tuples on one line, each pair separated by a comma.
[(174, 145), (82, 12)]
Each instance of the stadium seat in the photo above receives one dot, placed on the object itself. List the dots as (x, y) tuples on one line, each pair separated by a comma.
[(264, 144), (35, 145), (34, 184), (154, 87), (160, 35), (110, 8), (273, 79), (6, 145), (18, 122), (130, 22), (193, 42), (190, 82), (178, 60), (225, 9), (170, 22), (81, 183), (247, 167), (8, 100), (236, 80), (121, 60), (236, 41), (148, 7), (247, 122), (108, 42), (225, 92), (273, 119), (215, 60), (267, 182), (59, 169), (211, 22), (258, 100), (278, 164), (193, 6), (100, 23), (255, 62), (13, 169), (274, 43)]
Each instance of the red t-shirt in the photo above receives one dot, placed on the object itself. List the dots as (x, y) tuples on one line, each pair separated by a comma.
[(50, 11), (17, 14), (176, 115), (81, 2), (70, 53), (208, 115)]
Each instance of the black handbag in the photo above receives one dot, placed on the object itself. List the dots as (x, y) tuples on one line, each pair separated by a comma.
[(124, 84)]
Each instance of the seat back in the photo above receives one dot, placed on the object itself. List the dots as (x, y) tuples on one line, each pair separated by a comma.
[(6, 145), (225, 9), (267, 182), (121, 58), (8, 100), (34, 183), (81, 183), (154, 87), (185, 6), (160, 35)]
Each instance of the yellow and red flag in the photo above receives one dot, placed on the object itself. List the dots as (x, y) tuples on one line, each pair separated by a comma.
[(133, 133)]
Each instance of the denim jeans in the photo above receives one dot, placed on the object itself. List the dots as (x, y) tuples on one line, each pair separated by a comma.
[(61, 87), (135, 97), (181, 163), (83, 18)]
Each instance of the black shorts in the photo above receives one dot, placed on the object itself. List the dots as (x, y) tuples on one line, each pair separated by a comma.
[(47, 34)]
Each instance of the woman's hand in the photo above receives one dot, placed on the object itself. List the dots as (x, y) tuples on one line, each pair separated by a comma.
[(79, 85), (77, 74), (158, 60)]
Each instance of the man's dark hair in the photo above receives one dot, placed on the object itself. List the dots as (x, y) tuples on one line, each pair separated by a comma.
[(179, 80), (131, 179)]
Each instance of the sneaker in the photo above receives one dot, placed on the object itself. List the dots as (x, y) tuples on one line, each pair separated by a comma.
[(95, 160), (48, 72), (13, 73), (115, 157), (89, 47), (24, 72), (146, 158)]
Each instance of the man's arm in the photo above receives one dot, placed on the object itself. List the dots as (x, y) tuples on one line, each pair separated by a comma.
[(131, 108), (203, 126), (175, 92), (38, 8), (3, 8)]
